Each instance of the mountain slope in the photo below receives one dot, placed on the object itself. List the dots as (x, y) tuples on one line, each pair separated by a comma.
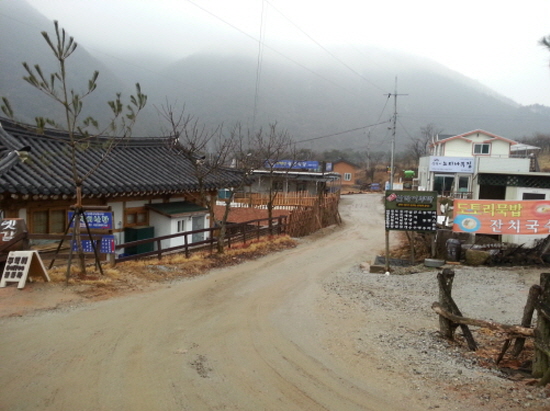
[(334, 98), (311, 94), (22, 42)]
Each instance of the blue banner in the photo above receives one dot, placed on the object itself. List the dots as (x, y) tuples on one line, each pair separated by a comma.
[(106, 245), (298, 165), (98, 220)]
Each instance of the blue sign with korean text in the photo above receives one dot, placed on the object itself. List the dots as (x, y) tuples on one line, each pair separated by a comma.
[(298, 165), (106, 245), (98, 220)]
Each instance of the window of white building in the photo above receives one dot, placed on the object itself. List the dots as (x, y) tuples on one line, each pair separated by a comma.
[(482, 148)]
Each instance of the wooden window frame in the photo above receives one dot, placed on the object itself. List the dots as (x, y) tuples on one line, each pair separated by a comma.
[(136, 212), (49, 210)]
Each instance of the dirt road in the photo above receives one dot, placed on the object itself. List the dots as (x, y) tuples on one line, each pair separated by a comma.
[(284, 332), (263, 335)]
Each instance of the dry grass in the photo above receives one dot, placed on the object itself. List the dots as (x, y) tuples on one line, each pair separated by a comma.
[(544, 162), (140, 273), (401, 249)]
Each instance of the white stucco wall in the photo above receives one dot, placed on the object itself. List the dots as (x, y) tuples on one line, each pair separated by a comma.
[(461, 147), (499, 164), (516, 193), (162, 226), (500, 148), (457, 148), (167, 226)]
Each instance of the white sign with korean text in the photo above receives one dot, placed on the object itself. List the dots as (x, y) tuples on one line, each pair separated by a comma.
[(452, 164), (21, 265)]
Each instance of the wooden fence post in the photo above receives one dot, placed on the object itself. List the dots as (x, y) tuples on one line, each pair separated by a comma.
[(533, 297), (447, 327), (445, 283), (541, 361), (186, 243)]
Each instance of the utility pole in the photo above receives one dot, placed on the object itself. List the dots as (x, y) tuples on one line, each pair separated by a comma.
[(392, 161), (392, 165)]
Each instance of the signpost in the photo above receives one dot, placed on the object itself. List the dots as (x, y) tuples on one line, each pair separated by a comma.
[(409, 211)]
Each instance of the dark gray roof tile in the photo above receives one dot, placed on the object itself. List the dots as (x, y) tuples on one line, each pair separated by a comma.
[(135, 165)]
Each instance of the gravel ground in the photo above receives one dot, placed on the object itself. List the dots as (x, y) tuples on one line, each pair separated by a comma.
[(401, 330)]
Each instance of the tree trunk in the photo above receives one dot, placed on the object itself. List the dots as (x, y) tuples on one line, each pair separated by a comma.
[(77, 232)]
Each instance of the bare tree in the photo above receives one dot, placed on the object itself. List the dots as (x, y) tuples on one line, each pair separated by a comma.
[(82, 133), (209, 152), (270, 148), (374, 158), (545, 41), (420, 146)]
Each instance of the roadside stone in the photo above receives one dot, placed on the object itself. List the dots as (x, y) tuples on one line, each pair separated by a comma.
[(476, 257)]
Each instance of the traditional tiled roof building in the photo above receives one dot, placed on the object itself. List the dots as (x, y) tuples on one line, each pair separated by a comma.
[(136, 172)]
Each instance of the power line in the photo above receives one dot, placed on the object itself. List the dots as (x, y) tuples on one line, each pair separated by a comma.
[(259, 65), (271, 48), (324, 48), (342, 132)]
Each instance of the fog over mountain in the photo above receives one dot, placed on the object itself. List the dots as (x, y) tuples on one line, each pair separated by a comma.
[(309, 93)]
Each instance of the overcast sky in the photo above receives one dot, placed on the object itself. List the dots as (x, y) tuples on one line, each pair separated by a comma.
[(494, 42)]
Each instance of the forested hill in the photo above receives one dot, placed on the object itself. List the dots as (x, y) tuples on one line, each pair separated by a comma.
[(309, 93)]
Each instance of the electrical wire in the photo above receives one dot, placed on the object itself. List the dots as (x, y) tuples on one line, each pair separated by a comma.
[(271, 48), (259, 64), (341, 132), (324, 48)]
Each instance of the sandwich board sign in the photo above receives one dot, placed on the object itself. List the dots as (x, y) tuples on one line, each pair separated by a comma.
[(21, 265)]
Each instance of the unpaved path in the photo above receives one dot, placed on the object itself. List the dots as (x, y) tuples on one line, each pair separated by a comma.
[(267, 334), (258, 336)]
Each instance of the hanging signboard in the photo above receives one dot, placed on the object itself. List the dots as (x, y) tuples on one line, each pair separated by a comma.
[(502, 217), (451, 164), (20, 265), (98, 220), (411, 210)]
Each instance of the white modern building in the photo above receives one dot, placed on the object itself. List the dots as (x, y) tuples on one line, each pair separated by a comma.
[(483, 166), (454, 162)]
